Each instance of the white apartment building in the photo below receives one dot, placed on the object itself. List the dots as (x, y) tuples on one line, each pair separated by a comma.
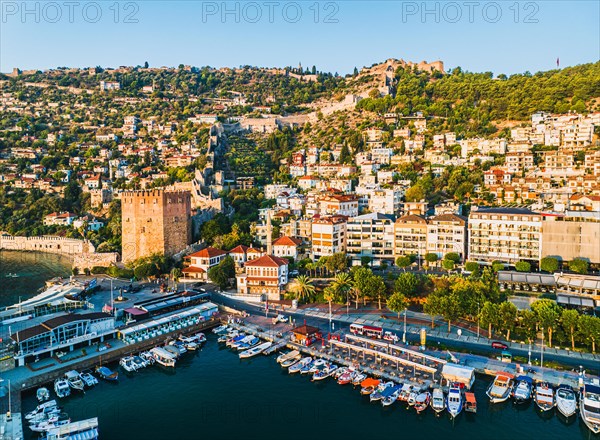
[(504, 234), (328, 236), (447, 233), (370, 235), (386, 201), (410, 236)]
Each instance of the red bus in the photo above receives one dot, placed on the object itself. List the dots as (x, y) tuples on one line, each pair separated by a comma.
[(366, 330)]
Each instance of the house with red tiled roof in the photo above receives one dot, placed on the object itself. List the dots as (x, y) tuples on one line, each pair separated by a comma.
[(253, 253), (286, 247), (198, 263), (239, 254), (265, 276), (60, 218)]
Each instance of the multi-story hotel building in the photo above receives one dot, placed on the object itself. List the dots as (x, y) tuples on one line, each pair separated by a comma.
[(410, 236), (447, 233), (328, 236), (505, 234), (370, 235)]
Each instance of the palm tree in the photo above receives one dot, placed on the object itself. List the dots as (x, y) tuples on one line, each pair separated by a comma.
[(303, 288), (329, 295), (342, 283)]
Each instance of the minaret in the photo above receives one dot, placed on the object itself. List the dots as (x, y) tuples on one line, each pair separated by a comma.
[(269, 234)]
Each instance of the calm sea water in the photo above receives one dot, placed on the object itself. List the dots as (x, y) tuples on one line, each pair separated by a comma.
[(32, 269), (213, 394)]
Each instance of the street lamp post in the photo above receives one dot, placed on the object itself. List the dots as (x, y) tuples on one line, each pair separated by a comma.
[(542, 355), (404, 334), (478, 320)]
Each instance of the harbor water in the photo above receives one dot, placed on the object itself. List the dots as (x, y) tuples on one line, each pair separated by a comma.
[(23, 274), (213, 394)]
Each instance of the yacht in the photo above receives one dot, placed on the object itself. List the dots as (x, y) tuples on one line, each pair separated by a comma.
[(566, 400), (438, 400), (544, 396), (42, 408), (455, 400), (88, 379), (499, 390), (523, 389), (74, 380), (590, 407), (62, 388)]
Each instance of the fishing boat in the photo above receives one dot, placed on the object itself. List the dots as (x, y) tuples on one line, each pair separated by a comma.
[(454, 401), (88, 379), (566, 400), (422, 401), (235, 339), (42, 394), (283, 357), (405, 392), (390, 395), (324, 372), (163, 357), (127, 364), (107, 374), (139, 362), (220, 329), (470, 402), (412, 397), (62, 388), (255, 350), (249, 344), (345, 378), (84, 429), (199, 338), (226, 337), (41, 409), (306, 369), (291, 360), (74, 380), (499, 390), (438, 401), (544, 396), (590, 407), (339, 372), (175, 352), (317, 364), (148, 357), (358, 377), (179, 346), (378, 394), (523, 389), (294, 368), (368, 386)]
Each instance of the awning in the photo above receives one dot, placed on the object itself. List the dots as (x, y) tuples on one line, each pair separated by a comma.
[(135, 311), (369, 382)]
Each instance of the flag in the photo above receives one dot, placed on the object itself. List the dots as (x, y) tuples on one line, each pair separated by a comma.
[(557, 62)]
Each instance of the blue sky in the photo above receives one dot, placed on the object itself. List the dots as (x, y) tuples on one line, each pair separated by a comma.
[(500, 36)]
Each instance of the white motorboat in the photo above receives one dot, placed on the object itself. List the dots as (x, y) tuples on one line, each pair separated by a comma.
[(454, 401), (590, 407), (412, 397), (285, 356), (405, 392), (148, 357), (220, 329), (226, 337), (163, 357), (42, 408), (74, 380), (50, 415), (174, 350), (47, 425), (523, 389), (179, 345), (378, 393), (254, 341), (255, 350), (324, 372), (499, 390), (294, 368), (438, 401), (544, 396), (317, 365), (88, 379), (291, 360), (566, 400), (42, 394), (340, 371), (231, 342), (358, 377), (62, 388), (391, 395), (140, 362), (127, 364)]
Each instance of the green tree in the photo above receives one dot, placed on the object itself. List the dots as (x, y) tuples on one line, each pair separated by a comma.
[(365, 260), (407, 284), (547, 312), (452, 256), (329, 296), (569, 320), (434, 305), (507, 315), (403, 262), (222, 272), (471, 266), (303, 288), (337, 262), (448, 264), (523, 266), (549, 264), (451, 309), (579, 265), (497, 266), (397, 303), (589, 329), (431, 258), (489, 316), (342, 283), (528, 322)]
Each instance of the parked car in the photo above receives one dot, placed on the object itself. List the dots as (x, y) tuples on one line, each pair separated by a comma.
[(281, 318), (499, 345)]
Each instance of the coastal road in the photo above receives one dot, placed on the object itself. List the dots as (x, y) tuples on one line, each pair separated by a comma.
[(480, 346)]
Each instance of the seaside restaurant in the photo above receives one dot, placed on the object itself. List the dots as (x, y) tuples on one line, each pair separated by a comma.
[(65, 332), (168, 323), (305, 335)]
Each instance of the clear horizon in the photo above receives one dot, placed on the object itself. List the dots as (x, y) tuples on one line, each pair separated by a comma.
[(501, 37)]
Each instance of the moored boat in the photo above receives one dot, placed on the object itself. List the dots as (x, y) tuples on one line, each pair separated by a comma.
[(438, 401), (107, 374), (499, 390), (127, 364), (220, 329), (345, 378), (544, 396), (390, 395), (62, 388), (454, 400), (470, 402), (378, 394), (88, 379), (358, 377), (84, 429), (283, 357), (590, 407), (368, 386), (326, 371), (566, 400), (255, 350), (140, 362), (523, 389), (405, 392), (422, 401), (42, 408), (291, 360), (317, 364), (42, 394), (294, 368), (163, 356), (74, 380)]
